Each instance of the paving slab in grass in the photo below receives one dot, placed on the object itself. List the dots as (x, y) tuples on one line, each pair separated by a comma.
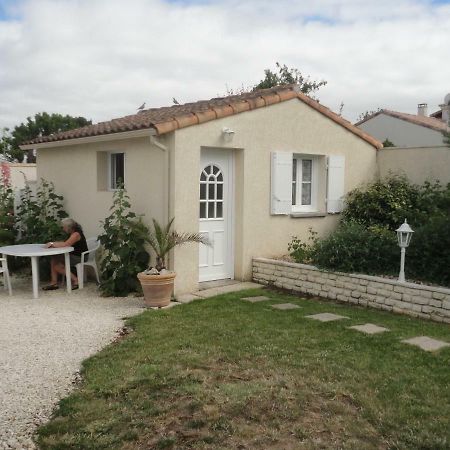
[(259, 298), (326, 317), (284, 306), (426, 343), (369, 328)]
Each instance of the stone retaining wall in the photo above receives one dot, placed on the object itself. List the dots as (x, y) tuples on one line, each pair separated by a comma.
[(417, 300)]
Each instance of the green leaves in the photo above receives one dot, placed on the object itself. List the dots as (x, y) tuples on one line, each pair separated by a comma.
[(39, 216), (366, 242), (303, 252), (283, 75), (42, 124), (162, 240), (123, 240), (390, 201)]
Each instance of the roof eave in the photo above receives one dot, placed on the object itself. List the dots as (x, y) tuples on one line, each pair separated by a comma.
[(92, 139)]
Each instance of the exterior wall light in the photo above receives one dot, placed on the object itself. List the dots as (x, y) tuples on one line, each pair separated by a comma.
[(227, 134), (404, 235)]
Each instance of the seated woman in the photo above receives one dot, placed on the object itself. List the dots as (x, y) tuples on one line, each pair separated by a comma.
[(76, 240)]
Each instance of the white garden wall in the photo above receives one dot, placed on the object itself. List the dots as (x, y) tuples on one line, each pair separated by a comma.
[(417, 300)]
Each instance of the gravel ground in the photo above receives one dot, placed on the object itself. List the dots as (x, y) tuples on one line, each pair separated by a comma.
[(42, 344)]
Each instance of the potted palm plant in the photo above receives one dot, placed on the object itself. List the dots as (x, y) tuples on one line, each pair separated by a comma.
[(157, 282)]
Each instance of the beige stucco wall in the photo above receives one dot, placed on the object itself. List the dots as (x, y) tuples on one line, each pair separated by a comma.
[(419, 164), (74, 171), (288, 126), (401, 132)]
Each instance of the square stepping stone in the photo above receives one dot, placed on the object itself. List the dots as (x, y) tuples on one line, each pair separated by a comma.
[(259, 298), (426, 343), (326, 317), (284, 306), (369, 328)]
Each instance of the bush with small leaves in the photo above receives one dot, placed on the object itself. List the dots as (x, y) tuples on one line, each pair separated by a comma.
[(303, 252), (355, 248)]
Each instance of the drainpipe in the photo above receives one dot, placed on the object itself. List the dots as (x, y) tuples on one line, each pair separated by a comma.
[(165, 149)]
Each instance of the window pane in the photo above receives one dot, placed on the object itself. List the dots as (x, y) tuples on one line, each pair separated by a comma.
[(208, 169), (203, 191), (306, 193), (211, 210), (203, 176), (306, 169), (117, 170), (202, 210), (211, 191), (215, 170), (219, 213), (220, 177), (220, 192), (113, 171)]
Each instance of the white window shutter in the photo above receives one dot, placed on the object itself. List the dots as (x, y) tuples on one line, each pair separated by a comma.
[(281, 183), (336, 173)]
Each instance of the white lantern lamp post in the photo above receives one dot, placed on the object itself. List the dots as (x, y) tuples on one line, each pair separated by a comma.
[(404, 235)]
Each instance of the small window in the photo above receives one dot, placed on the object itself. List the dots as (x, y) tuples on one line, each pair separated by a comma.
[(304, 183), (211, 193), (117, 170)]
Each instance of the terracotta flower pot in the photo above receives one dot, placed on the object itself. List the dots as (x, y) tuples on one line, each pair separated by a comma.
[(157, 288)]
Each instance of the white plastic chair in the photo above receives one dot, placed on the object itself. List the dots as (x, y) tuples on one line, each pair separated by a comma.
[(88, 259), (6, 277)]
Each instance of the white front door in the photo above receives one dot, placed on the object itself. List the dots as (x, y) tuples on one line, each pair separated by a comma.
[(216, 206)]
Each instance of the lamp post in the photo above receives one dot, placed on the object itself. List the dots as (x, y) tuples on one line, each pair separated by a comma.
[(404, 235)]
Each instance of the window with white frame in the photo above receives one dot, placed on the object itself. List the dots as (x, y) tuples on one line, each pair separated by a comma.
[(116, 170), (304, 183)]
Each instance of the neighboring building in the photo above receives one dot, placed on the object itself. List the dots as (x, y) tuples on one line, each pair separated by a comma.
[(255, 170), (409, 130)]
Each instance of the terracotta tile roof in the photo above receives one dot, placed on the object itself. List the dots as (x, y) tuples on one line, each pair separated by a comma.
[(424, 121), (170, 118)]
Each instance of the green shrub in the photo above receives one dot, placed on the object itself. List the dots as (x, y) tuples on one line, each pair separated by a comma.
[(390, 201), (355, 248), (303, 252), (366, 242), (38, 220), (428, 256), (124, 255), (39, 217)]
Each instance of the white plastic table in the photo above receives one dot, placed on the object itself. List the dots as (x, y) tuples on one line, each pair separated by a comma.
[(34, 251)]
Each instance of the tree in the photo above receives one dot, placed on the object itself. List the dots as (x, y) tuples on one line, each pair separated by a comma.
[(388, 143), (42, 124), (365, 115), (284, 75), (281, 76)]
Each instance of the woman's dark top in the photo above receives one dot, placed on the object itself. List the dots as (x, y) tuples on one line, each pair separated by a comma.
[(80, 246)]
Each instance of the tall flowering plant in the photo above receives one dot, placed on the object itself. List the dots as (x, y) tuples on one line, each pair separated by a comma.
[(6, 206)]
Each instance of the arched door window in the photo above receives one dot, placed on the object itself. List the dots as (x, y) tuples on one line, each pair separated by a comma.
[(211, 193)]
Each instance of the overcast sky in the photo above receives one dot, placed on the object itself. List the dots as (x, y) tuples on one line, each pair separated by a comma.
[(102, 58)]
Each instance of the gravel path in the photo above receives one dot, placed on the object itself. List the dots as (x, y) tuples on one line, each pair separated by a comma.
[(42, 343)]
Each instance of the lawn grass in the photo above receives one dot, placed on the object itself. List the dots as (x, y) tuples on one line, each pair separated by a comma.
[(226, 374)]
